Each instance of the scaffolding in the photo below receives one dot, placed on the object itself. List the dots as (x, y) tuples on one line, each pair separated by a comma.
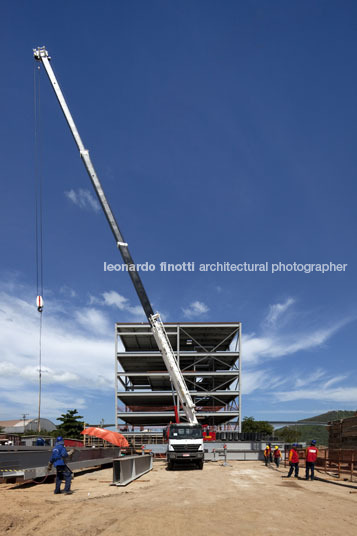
[(209, 356)]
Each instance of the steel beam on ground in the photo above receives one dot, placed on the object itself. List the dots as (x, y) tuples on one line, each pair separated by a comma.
[(129, 468), (31, 462)]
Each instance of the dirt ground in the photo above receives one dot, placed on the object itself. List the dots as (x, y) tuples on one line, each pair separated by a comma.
[(218, 500)]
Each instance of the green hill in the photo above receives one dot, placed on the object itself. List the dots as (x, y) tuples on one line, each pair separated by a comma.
[(305, 433), (331, 416)]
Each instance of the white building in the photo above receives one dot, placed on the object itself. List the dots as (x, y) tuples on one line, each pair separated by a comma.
[(26, 425)]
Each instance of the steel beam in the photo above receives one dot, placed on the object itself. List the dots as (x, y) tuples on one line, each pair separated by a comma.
[(129, 468)]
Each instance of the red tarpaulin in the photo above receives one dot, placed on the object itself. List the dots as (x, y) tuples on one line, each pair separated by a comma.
[(112, 437)]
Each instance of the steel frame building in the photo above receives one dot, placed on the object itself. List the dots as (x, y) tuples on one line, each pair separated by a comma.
[(209, 356)]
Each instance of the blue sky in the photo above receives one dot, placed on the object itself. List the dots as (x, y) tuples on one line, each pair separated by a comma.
[(221, 131)]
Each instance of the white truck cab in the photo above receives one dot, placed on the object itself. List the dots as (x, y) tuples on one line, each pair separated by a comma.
[(184, 444)]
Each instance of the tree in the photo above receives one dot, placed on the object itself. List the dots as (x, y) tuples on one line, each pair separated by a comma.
[(250, 425), (288, 435), (71, 425), (35, 433)]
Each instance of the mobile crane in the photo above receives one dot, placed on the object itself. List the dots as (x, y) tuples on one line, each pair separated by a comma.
[(185, 440)]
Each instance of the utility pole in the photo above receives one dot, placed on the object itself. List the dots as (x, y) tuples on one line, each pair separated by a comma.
[(24, 419)]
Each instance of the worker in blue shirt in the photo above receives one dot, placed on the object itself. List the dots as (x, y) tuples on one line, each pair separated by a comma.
[(59, 453)]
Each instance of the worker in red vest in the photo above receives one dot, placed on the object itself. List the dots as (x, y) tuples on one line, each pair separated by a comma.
[(277, 456), (293, 461), (311, 457)]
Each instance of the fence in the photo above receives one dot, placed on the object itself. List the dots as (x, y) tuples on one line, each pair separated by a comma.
[(334, 462)]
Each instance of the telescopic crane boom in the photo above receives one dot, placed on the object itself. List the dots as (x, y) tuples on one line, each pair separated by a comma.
[(157, 327)]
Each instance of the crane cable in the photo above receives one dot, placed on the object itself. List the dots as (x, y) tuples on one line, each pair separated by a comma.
[(38, 223)]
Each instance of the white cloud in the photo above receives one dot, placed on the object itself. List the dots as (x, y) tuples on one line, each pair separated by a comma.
[(83, 199), (68, 291), (312, 377), (334, 380), (275, 345), (78, 365), (30, 374), (288, 411), (28, 401), (195, 309), (277, 310), (283, 341), (75, 364), (319, 388), (253, 380), (114, 299), (339, 394), (93, 320)]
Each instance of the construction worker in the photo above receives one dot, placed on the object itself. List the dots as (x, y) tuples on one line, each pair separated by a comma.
[(311, 457), (277, 456), (59, 453), (293, 461), (267, 454)]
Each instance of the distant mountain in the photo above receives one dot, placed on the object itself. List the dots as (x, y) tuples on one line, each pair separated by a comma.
[(331, 416), (305, 433)]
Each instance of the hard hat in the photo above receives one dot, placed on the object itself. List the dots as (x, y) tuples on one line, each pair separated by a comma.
[(276, 447), (313, 442), (59, 438), (295, 444)]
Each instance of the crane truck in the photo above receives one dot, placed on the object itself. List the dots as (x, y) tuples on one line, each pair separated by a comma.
[(184, 440)]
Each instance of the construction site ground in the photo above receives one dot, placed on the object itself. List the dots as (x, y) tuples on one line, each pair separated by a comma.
[(220, 500)]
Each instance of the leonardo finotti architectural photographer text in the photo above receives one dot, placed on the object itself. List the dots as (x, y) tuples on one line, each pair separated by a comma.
[(226, 266)]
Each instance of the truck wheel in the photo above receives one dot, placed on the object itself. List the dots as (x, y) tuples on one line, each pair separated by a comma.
[(200, 464), (170, 465)]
